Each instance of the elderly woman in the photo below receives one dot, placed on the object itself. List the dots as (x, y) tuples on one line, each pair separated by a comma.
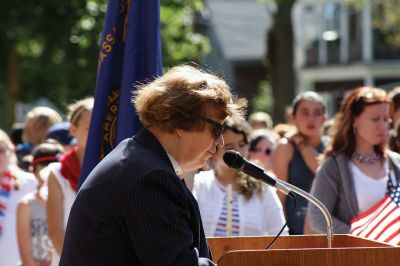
[(134, 208)]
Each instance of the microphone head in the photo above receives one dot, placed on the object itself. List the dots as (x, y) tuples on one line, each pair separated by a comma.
[(233, 159)]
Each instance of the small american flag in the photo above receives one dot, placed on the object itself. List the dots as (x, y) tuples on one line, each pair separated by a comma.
[(381, 222)]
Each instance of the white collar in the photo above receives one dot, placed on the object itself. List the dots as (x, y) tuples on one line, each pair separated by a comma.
[(175, 164)]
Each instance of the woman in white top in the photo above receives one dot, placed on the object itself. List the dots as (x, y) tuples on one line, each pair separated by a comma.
[(231, 203), (64, 176), (14, 184), (358, 170)]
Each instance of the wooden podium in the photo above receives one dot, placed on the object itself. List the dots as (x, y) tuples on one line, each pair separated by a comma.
[(304, 250)]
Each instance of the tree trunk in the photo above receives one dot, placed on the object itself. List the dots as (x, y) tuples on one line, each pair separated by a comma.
[(280, 59)]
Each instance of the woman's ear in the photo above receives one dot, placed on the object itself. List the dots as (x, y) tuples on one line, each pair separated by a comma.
[(178, 132), (72, 130)]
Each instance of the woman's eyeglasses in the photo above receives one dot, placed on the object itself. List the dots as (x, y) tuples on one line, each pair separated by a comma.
[(267, 151), (218, 128)]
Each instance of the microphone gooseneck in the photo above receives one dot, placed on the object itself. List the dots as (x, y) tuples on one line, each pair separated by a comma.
[(234, 160)]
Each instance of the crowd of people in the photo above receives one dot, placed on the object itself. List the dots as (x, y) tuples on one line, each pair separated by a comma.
[(39, 168), (349, 162)]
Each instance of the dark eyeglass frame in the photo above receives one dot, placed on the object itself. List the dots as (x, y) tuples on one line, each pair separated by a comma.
[(218, 128), (267, 151)]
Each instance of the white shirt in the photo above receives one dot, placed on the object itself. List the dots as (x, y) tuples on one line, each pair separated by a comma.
[(9, 251), (260, 215), (369, 191), (175, 164), (69, 196), (68, 192)]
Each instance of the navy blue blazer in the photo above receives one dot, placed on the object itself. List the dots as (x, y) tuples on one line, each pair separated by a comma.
[(134, 210)]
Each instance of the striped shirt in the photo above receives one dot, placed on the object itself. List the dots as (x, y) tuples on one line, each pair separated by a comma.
[(224, 221)]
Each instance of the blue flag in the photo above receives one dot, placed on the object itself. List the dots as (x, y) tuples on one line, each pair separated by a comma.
[(130, 53)]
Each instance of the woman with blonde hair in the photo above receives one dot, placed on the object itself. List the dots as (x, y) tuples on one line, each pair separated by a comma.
[(37, 122), (14, 184), (358, 169), (64, 176)]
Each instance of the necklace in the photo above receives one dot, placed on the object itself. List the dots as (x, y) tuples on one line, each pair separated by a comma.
[(367, 160)]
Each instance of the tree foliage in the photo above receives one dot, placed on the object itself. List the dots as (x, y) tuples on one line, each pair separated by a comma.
[(385, 18), (180, 41), (56, 48), (264, 100), (50, 47)]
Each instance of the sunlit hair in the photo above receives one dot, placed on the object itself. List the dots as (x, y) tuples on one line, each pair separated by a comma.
[(284, 129), (256, 136), (37, 122), (76, 109), (343, 137), (307, 96), (262, 119), (181, 96), (6, 141)]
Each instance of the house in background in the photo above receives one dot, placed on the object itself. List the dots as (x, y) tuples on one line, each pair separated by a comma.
[(338, 48), (237, 31)]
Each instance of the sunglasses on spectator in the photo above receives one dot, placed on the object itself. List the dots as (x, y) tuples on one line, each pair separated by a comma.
[(267, 151), (218, 128)]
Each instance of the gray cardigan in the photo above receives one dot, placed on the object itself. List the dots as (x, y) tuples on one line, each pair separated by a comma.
[(334, 187)]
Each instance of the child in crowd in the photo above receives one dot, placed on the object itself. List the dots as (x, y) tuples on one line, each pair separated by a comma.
[(14, 184), (37, 122), (34, 245), (64, 176)]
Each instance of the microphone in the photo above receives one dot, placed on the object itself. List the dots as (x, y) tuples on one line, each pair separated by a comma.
[(234, 160)]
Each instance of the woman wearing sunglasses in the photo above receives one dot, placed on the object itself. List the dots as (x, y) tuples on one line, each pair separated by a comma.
[(296, 157), (262, 145), (232, 203)]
